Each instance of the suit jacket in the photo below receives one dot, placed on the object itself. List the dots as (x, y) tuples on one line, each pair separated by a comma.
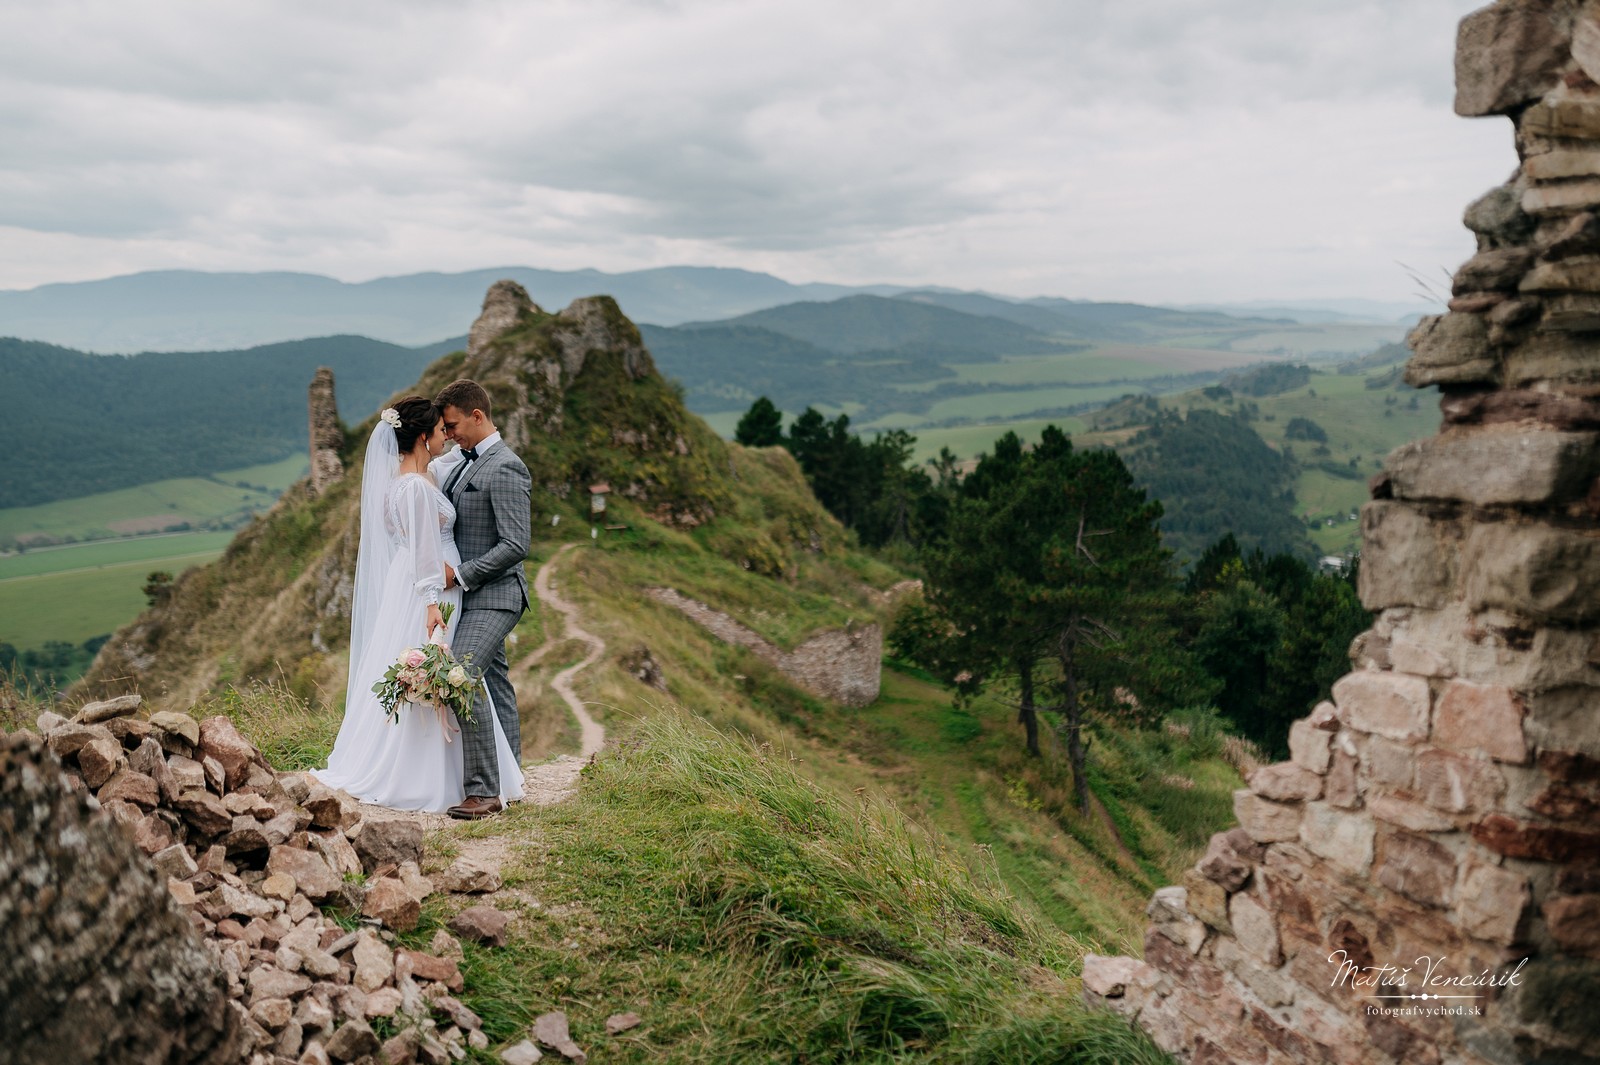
[(494, 526)]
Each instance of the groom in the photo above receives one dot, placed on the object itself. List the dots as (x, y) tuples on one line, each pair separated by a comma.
[(491, 492)]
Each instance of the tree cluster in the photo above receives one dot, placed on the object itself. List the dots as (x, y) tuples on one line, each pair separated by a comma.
[(1049, 581), (872, 486)]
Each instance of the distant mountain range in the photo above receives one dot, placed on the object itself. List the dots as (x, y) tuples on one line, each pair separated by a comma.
[(181, 310)]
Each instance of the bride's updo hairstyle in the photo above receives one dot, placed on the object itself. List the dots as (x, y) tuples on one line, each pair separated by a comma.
[(418, 416)]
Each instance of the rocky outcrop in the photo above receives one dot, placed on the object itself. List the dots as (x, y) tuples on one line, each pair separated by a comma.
[(841, 664), (163, 896), (1420, 882), (505, 307), (327, 438), (99, 965)]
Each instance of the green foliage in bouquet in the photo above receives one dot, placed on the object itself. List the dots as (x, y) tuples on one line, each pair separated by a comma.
[(428, 675)]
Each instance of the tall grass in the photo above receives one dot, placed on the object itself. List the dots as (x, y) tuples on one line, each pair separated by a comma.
[(765, 919)]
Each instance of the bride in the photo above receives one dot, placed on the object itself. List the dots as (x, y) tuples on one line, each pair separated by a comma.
[(407, 537)]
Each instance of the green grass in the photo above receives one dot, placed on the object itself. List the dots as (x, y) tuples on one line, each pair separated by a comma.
[(292, 731), (66, 558), (225, 497), (750, 915), (75, 604), (969, 441)]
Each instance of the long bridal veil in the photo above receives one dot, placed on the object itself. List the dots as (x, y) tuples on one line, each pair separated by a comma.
[(377, 550)]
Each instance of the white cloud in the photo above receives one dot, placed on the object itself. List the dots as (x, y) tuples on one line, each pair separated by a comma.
[(1157, 150)]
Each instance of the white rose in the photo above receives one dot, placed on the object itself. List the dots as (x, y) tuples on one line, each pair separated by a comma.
[(457, 676)]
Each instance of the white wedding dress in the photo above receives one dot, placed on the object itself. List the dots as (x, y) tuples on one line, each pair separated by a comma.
[(407, 535)]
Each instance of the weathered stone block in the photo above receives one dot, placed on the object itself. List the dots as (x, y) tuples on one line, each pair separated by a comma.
[(1229, 859), (1496, 465), (1406, 559), (1408, 814), (1255, 929), (1482, 718), (1417, 868), (1563, 117), (1451, 349), (1562, 163), (1565, 356), (1264, 820), (1341, 788), (1387, 762), (1574, 923), (1507, 55), (1497, 216), (1492, 902), (1408, 657), (1459, 783), (1169, 914), (1286, 782), (1544, 843), (1542, 573), (1385, 704), (1495, 270), (1309, 747), (1574, 274), (1111, 977), (1344, 839), (1207, 900), (1559, 994)]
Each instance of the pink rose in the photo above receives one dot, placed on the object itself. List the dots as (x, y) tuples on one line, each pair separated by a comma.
[(414, 657)]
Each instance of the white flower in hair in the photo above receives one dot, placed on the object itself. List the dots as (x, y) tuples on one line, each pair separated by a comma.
[(392, 416)]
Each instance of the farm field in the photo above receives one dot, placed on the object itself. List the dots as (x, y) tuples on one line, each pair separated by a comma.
[(153, 507), (74, 593)]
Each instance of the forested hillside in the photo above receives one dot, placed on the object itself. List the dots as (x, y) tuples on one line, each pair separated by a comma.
[(129, 420)]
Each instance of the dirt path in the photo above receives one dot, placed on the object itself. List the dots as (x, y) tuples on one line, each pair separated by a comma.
[(593, 737)]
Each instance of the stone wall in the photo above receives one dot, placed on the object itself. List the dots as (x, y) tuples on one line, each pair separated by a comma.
[(1420, 882), (841, 664), (326, 436)]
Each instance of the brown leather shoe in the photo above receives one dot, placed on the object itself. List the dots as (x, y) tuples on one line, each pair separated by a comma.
[(475, 807)]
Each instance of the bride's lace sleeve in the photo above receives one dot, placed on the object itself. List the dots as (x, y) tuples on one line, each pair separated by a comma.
[(424, 545)]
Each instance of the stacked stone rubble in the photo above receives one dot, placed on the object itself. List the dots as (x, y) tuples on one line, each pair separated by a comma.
[(256, 861), (1441, 815)]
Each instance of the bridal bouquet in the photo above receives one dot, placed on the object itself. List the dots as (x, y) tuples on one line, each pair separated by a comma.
[(428, 675)]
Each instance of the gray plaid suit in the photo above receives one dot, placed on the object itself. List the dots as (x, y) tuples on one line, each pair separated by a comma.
[(494, 525)]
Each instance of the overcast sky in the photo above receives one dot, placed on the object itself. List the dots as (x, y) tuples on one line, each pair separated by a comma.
[(1153, 150)]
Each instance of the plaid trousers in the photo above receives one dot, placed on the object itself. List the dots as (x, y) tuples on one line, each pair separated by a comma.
[(482, 634)]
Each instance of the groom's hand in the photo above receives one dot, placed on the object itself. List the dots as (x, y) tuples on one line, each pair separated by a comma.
[(449, 576)]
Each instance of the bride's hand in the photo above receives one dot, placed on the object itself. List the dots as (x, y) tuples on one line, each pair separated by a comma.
[(435, 619)]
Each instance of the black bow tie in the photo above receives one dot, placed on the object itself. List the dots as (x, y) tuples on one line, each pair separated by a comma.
[(470, 454)]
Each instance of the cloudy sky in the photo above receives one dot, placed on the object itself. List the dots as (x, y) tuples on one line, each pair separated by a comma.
[(1155, 150)]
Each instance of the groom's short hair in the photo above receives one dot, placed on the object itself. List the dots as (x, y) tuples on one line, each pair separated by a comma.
[(465, 396)]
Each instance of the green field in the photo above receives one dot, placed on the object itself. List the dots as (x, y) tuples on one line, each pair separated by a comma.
[(73, 593), (226, 498), (969, 441)]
